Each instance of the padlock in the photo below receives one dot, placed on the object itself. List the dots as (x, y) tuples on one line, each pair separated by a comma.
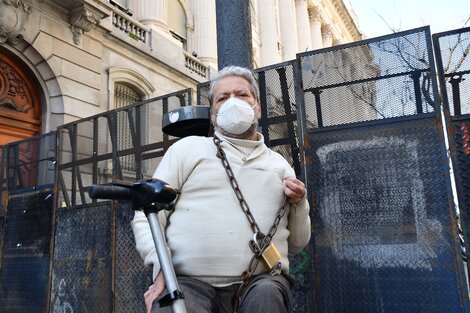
[(271, 255)]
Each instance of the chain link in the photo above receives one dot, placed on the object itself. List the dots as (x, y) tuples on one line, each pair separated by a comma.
[(263, 240)]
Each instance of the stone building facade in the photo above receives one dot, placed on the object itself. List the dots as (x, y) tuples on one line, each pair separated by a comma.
[(62, 60)]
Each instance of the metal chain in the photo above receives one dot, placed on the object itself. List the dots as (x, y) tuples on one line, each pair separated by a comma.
[(262, 240)]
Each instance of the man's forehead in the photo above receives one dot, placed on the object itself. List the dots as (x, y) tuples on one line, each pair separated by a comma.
[(232, 83)]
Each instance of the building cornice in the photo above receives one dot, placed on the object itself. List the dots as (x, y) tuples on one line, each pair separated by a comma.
[(347, 19)]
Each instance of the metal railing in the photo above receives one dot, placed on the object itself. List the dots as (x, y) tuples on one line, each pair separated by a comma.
[(279, 111), (29, 164), (453, 66), (91, 152), (374, 79)]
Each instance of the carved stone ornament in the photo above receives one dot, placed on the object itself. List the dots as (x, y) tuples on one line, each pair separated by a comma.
[(326, 30), (314, 14), (13, 16), (12, 90), (83, 20)]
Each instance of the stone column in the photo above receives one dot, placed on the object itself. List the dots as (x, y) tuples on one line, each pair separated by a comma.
[(153, 13), (303, 26), (315, 28), (288, 29), (204, 40), (269, 53), (327, 36)]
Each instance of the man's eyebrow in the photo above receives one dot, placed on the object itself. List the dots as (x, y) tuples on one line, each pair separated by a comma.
[(236, 91)]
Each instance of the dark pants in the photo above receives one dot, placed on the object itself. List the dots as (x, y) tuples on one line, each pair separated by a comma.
[(263, 294)]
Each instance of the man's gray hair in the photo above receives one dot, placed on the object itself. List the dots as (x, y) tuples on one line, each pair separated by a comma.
[(237, 71)]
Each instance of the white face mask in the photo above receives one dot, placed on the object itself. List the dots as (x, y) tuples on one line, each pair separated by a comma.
[(235, 116)]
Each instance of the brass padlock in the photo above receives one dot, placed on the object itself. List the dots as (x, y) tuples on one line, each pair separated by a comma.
[(271, 255)]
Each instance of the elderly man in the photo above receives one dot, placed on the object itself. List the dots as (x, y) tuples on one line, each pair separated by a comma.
[(240, 212)]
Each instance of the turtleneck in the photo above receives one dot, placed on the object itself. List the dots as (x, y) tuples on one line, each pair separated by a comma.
[(246, 147)]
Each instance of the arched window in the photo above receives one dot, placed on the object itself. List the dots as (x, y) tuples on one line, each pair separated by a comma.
[(127, 87), (177, 21)]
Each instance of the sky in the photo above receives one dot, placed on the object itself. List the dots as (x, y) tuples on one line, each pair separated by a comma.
[(382, 17)]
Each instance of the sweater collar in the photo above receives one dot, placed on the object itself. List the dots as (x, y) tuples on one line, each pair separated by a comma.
[(251, 148), (242, 142)]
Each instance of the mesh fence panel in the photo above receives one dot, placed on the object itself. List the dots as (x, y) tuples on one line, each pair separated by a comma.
[(203, 93), (279, 111), (81, 278), (452, 53), (26, 252), (462, 170), (30, 163), (383, 237), (132, 278), (368, 80)]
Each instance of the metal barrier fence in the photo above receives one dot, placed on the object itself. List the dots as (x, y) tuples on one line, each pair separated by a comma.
[(357, 122), (279, 116), (125, 143), (453, 65), (384, 236), (203, 93), (25, 165), (27, 178), (30, 163), (452, 53)]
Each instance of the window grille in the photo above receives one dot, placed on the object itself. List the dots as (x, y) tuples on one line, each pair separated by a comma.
[(124, 96)]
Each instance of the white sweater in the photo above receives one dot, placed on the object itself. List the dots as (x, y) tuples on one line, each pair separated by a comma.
[(208, 234)]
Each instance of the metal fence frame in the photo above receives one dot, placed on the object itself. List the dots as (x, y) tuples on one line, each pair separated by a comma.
[(321, 129), (288, 114), (140, 151), (292, 114), (454, 118), (11, 164)]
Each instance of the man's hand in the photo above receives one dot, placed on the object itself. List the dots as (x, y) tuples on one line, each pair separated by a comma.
[(294, 189), (154, 291)]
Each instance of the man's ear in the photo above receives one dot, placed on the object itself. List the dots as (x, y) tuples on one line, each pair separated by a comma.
[(258, 110), (213, 117)]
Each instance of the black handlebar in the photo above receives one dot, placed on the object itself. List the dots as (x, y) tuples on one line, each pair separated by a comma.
[(142, 193), (110, 192)]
